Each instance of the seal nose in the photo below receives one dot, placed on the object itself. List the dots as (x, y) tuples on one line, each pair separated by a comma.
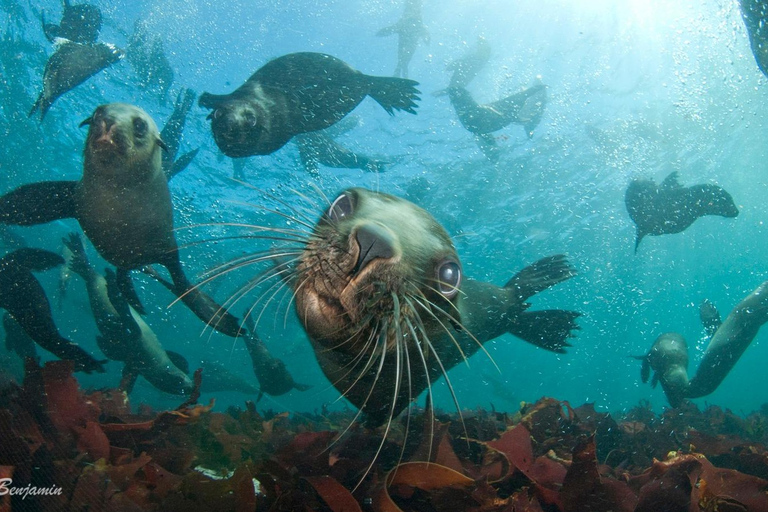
[(374, 242)]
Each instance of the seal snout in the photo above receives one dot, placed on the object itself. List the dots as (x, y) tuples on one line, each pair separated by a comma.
[(374, 242)]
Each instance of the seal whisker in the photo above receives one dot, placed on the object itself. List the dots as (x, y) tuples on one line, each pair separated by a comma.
[(307, 224), (288, 205), (402, 346), (426, 374), (426, 307), (250, 259)]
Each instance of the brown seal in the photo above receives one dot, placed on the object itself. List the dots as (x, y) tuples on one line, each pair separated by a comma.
[(380, 291), (122, 203)]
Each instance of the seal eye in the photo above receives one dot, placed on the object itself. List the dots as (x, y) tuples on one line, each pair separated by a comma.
[(448, 278), (139, 127), (341, 208)]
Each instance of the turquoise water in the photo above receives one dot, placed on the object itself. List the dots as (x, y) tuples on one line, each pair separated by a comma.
[(636, 88)]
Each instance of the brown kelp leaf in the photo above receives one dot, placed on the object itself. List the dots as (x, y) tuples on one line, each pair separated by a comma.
[(670, 493), (162, 482), (92, 441), (584, 489), (515, 443), (708, 502), (420, 475), (522, 502), (123, 475), (66, 407), (6, 472), (335, 495)]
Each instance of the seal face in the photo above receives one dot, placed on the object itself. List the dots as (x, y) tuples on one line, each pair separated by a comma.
[(380, 291)]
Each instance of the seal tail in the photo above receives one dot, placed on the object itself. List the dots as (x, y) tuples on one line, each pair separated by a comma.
[(548, 329), (393, 93)]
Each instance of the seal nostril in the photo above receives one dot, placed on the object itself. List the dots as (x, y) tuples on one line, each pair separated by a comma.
[(374, 242)]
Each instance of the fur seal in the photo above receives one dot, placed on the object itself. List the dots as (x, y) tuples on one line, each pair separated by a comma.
[(123, 204), (80, 23), (172, 132), (380, 291), (728, 343), (23, 297), (71, 65), (124, 335), (293, 94), (274, 378), (410, 32), (671, 208), (755, 16), (146, 55), (465, 69)]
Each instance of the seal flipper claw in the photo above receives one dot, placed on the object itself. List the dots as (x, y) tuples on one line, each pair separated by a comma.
[(394, 93), (124, 283), (38, 203), (548, 329)]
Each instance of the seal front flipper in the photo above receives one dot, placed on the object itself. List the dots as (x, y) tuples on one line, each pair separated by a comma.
[(182, 163), (121, 303), (710, 317), (178, 360), (124, 283), (38, 203)]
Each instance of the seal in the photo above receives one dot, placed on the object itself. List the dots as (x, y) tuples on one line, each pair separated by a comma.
[(319, 148), (71, 65), (755, 16), (729, 341), (80, 23), (671, 208), (271, 372), (123, 204), (124, 335), (146, 55), (411, 32), (24, 298), (380, 291), (297, 93)]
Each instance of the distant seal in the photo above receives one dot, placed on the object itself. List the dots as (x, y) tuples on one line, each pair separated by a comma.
[(23, 297), (465, 69), (671, 208), (293, 94), (274, 378), (80, 23), (172, 132), (411, 32), (729, 340), (123, 334), (755, 16), (380, 291), (146, 55), (122, 203), (319, 148), (71, 65)]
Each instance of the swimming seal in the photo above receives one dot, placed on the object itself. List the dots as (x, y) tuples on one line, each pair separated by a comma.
[(297, 93), (380, 292), (668, 358), (123, 334), (755, 16), (23, 297), (411, 31), (146, 55), (319, 148), (80, 23), (123, 204), (71, 65), (671, 208), (728, 343), (274, 378)]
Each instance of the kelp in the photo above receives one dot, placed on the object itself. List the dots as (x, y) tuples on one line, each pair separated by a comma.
[(547, 457)]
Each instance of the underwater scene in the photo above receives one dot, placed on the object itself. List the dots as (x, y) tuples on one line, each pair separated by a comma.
[(384, 256)]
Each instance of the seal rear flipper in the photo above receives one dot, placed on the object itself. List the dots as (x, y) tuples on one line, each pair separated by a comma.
[(671, 182), (182, 163), (638, 238), (31, 260), (548, 329), (38, 203), (645, 369), (710, 317), (394, 93), (124, 284), (540, 275)]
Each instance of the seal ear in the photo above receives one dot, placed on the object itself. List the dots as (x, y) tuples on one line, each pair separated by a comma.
[(86, 122), (162, 144)]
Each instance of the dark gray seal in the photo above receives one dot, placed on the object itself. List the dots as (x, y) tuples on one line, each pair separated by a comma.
[(729, 340), (319, 148), (123, 204), (293, 94), (671, 208), (147, 56), (80, 23), (23, 297), (71, 65), (172, 132), (381, 293), (410, 32)]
